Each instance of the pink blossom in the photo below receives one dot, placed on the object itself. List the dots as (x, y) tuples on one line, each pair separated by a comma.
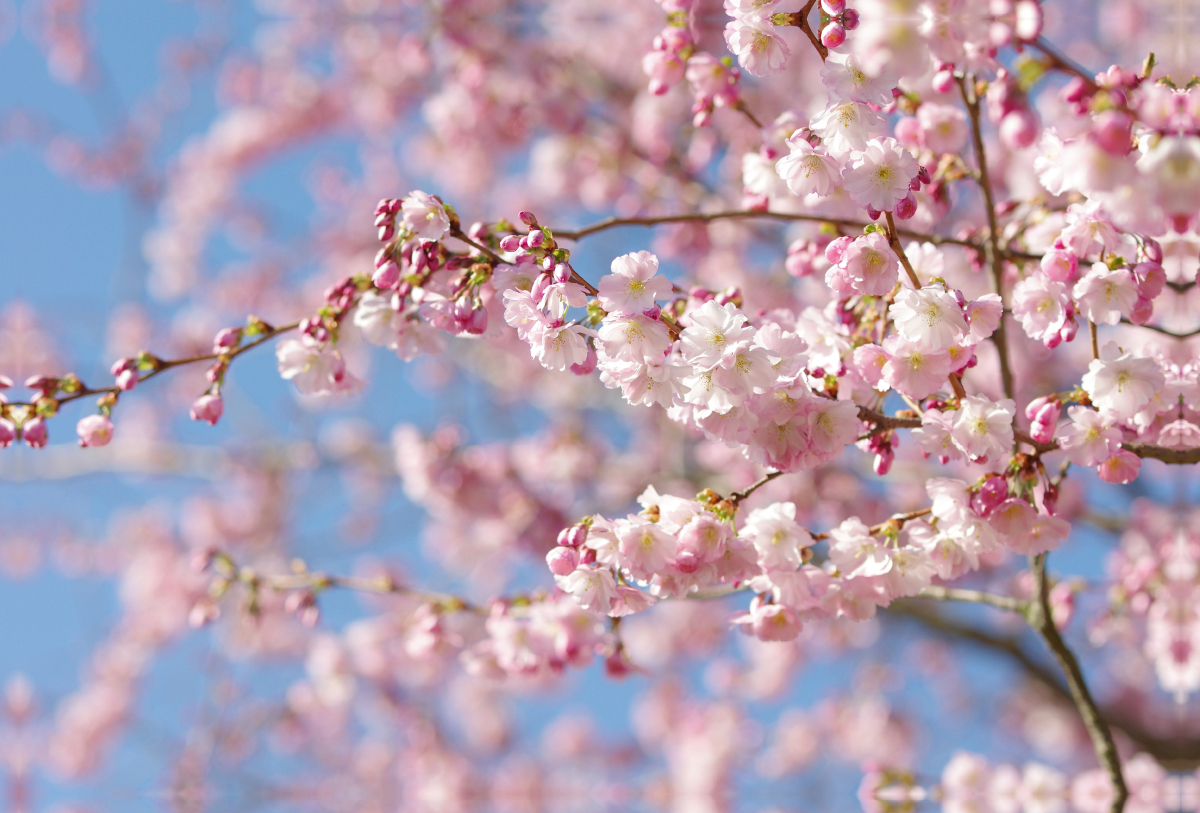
[(984, 427), (94, 430), (208, 408), (1121, 468), (913, 369), (879, 176), (633, 285), (424, 216), (1120, 384), (758, 48)]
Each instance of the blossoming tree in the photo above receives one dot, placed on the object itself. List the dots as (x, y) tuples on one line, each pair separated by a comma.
[(895, 317)]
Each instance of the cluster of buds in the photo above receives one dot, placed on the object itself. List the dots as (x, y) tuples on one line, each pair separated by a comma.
[(836, 20), (883, 446), (1043, 414), (571, 552), (715, 83), (667, 62)]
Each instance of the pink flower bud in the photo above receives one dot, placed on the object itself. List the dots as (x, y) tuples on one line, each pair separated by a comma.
[(540, 285), (991, 494), (833, 7), (121, 365), (562, 273), (42, 383), (477, 323), (208, 408), (1150, 279), (1152, 250), (227, 338), (906, 208), (94, 430), (943, 82), (528, 219), (387, 275), (5, 382), (850, 19), (1019, 128), (562, 561), (1035, 406), (1111, 130), (588, 365), (1143, 309), (883, 460), (127, 380), (549, 263), (510, 242), (873, 213), (1060, 265), (833, 35), (1075, 90), (8, 432)]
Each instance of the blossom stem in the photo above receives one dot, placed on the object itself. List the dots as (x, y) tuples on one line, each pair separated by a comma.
[(737, 496), (1064, 63), (747, 214), (894, 242), (165, 365), (1095, 339), (1040, 617), (994, 256), (975, 597)]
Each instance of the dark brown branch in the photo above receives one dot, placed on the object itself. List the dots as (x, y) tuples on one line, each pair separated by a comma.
[(1041, 619)]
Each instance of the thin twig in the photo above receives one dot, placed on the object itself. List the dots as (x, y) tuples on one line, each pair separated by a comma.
[(747, 214), (975, 597), (995, 257), (737, 496)]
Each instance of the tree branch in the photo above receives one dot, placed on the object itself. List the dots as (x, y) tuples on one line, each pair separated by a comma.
[(1041, 619), (995, 257)]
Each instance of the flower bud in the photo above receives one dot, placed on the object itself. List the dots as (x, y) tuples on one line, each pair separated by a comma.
[(850, 19), (943, 82), (833, 35), (535, 239), (562, 273), (883, 460), (1019, 128), (1143, 310), (94, 430), (992, 493), (562, 561), (906, 208), (208, 408), (833, 7), (387, 275), (1150, 279), (477, 322), (8, 432), (510, 242)]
